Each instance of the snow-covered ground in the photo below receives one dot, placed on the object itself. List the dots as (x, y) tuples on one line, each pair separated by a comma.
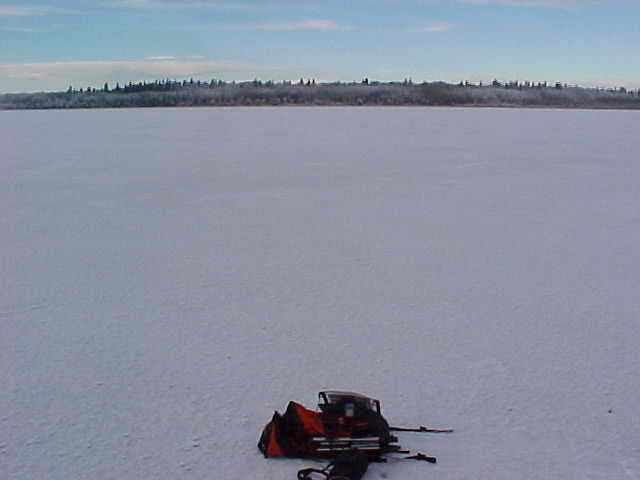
[(170, 277)]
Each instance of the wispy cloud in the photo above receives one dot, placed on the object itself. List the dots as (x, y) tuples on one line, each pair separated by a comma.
[(20, 29), (13, 11), (178, 5), (160, 66), (429, 27), (313, 24), (174, 58), (37, 10), (150, 4), (539, 3)]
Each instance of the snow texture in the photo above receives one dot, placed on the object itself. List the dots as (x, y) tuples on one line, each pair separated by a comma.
[(170, 277)]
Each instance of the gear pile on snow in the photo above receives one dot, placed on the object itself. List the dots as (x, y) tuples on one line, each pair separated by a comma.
[(347, 429)]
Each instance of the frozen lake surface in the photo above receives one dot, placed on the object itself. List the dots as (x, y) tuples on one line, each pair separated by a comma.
[(170, 277)]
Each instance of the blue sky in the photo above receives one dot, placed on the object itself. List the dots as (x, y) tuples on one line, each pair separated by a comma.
[(51, 44)]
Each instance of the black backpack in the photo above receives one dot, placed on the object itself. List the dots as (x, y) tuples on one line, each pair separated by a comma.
[(347, 465)]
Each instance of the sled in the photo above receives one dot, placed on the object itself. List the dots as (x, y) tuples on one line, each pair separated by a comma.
[(344, 421)]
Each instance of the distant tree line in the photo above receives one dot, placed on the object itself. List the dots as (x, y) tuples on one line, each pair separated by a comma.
[(173, 93)]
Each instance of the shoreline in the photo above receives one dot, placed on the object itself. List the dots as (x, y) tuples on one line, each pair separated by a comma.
[(257, 94)]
